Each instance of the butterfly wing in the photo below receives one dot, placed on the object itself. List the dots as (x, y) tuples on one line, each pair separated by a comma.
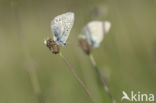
[(107, 26), (61, 26), (95, 32)]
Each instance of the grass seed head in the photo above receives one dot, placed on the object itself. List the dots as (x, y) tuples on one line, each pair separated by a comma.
[(84, 45), (53, 47)]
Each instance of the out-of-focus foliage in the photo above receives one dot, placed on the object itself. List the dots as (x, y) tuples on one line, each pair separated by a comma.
[(127, 56)]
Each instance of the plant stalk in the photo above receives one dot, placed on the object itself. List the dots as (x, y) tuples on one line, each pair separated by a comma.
[(101, 78), (77, 77), (30, 67)]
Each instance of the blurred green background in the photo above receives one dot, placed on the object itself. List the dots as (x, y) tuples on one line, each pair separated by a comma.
[(126, 57)]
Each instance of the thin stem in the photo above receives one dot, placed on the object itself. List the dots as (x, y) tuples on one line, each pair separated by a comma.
[(101, 78), (30, 66), (77, 77)]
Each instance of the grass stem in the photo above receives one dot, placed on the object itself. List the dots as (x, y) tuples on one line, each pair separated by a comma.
[(101, 78), (78, 79), (30, 67)]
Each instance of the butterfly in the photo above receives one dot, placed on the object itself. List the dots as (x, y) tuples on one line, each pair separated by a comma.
[(95, 31), (61, 26)]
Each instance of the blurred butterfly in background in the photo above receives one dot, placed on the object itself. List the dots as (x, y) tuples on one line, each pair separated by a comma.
[(61, 26), (95, 31)]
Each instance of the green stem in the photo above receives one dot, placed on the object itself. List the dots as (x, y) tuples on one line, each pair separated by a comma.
[(77, 77), (30, 67), (101, 78), (34, 81)]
